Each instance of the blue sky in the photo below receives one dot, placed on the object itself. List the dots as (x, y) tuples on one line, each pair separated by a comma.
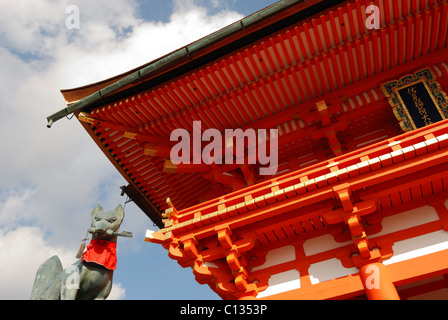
[(160, 10), (51, 179)]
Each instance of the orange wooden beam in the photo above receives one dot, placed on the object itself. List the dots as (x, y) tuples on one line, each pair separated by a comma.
[(326, 167), (318, 195), (377, 282)]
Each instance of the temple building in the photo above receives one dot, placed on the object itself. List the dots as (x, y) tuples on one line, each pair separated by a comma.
[(353, 94)]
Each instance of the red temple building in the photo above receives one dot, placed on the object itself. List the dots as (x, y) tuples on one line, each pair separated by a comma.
[(358, 206)]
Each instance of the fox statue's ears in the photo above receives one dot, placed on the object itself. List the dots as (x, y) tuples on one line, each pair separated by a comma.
[(119, 210), (96, 210)]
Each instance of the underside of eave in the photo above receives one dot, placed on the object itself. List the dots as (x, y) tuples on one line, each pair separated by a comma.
[(131, 190)]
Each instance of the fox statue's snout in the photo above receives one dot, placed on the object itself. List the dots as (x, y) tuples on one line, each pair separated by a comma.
[(106, 222), (102, 227)]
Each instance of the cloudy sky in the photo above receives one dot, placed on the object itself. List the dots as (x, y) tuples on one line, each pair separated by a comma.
[(51, 179)]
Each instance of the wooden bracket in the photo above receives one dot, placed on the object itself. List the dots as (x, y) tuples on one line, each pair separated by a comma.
[(83, 118), (236, 260), (323, 112), (362, 244), (203, 274), (351, 214), (171, 216), (190, 248), (248, 173), (224, 238), (343, 192), (154, 237), (156, 150), (175, 252)]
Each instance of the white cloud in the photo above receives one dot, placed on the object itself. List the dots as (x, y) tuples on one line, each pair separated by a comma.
[(105, 53), (117, 292), (52, 178), (12, 206), (22, 251)]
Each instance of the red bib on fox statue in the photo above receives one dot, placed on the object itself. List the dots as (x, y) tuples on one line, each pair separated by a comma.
[(102, 252)]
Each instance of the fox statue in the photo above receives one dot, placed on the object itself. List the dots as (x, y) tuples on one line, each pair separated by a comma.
[(90, 278)]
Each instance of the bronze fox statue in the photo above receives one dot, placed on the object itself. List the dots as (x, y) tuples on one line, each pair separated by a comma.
[(90, 278)]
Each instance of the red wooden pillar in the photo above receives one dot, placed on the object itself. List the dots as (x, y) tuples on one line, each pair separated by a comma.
[(377, 283)]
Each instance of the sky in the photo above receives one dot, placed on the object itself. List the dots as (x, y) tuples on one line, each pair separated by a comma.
[(51, 179)]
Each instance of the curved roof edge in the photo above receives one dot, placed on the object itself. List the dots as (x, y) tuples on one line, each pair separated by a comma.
[(255, 26)]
